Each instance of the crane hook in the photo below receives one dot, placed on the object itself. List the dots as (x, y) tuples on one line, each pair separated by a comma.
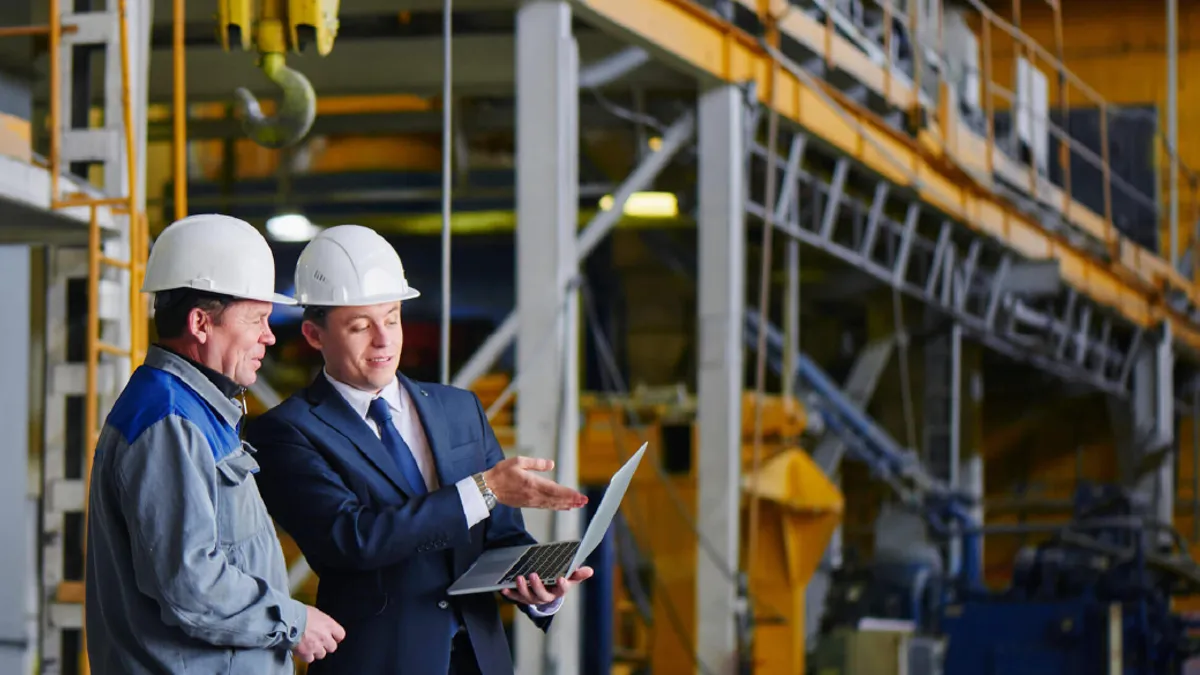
[(297, 109)]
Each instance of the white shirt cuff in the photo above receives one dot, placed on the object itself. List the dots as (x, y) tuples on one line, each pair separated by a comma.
[(474, 505), (547, 609)]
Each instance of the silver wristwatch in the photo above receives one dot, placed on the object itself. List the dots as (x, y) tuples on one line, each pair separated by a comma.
[(489, 497)]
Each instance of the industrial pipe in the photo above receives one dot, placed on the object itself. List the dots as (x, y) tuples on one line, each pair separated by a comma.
[(297, 108), (179, 104), (447, 146)]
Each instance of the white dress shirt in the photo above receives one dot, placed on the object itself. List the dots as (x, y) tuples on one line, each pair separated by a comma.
[(408, 423)]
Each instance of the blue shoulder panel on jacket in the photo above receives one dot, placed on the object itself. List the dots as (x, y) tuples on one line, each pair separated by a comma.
[(152, 395)]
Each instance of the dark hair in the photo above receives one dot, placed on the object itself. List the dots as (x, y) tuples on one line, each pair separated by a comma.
[(171, 309), (316, 315)]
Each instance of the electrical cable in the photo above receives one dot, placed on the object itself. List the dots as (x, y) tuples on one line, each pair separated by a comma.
[(760, 368), (628, 115), (447, 147)]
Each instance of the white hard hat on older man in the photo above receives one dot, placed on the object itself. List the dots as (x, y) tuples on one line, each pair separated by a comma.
[(213, 253)]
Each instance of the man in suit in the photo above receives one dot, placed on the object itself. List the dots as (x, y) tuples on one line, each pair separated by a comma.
[(392, 488)]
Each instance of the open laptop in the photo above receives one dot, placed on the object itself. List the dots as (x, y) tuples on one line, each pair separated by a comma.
[(499, 568)]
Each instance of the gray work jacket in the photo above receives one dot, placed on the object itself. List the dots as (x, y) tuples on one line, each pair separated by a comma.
[(184, 569)]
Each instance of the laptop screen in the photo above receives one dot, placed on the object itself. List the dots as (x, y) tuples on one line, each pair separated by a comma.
[(608, 508)]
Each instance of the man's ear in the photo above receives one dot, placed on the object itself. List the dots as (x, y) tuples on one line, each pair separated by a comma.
[(199, 324), (312, 334)]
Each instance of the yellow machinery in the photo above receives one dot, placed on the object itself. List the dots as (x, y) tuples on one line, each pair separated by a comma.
[(275, 27), (800, 509)]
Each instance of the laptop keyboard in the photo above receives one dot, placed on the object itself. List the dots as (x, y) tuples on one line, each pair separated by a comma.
[(548, 561)]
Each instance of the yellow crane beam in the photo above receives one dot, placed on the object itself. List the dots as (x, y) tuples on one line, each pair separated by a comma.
[(686, 34)]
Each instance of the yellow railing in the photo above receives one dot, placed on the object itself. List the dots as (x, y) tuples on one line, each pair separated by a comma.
[(976, 154), (1070, 90)]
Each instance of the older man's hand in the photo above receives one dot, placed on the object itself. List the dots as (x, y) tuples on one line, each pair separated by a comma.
[(534, 592)]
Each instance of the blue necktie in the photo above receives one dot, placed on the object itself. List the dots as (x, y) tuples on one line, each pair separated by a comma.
[(394, 442), (381, 414)]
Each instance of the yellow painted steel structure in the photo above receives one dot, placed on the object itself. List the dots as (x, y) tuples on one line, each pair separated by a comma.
[(948, 166), (800, 510)]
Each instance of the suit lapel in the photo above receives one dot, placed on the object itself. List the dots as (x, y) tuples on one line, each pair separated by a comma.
[(332, 409), (433, 422)]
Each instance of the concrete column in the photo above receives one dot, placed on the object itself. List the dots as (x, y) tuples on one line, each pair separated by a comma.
[(15, 307), (721, 279), (547, 334)]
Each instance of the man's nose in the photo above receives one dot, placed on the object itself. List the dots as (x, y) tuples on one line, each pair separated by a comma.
[(268, 338), (380, 336)]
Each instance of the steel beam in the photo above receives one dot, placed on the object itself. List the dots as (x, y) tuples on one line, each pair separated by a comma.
[(484, 65), (489, 115), (547, 63), (201, 12), (969, 289), (721, 304), (700, 43), (612, 68)]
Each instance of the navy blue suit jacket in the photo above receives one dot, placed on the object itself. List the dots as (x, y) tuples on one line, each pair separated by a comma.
[(385, 557)]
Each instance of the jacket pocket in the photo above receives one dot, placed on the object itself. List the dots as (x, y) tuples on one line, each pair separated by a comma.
[(240, 511)]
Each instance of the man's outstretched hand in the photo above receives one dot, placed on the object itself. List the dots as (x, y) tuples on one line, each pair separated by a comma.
[(515, 484), (534, 592)]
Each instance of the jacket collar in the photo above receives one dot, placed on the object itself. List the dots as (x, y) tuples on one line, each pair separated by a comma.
[(204, 386), (335, 411)]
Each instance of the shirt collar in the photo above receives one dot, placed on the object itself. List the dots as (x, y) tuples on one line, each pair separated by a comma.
[(360, 400)]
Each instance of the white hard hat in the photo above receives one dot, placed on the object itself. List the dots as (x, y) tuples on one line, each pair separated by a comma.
[(350, 266), (216, 254)]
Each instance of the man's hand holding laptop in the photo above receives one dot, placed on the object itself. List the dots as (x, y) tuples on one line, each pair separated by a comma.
[(534, 592), (513, 482)]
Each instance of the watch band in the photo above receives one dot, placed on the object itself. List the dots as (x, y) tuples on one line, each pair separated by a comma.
[(489, 497)]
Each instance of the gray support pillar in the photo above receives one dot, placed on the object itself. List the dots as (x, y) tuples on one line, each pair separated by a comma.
[(15, 269), (1164, 427), (1145, 428), (547, 213), (721, 279)]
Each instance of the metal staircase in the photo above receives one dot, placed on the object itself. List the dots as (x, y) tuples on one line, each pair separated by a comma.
[(96, 318)]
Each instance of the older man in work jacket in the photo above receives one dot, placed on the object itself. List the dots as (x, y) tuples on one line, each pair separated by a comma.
[(184, 570)]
